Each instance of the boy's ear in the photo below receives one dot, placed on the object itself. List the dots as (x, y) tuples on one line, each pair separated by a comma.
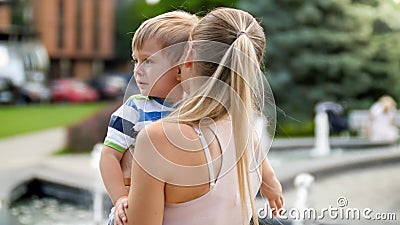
[(178, 75)]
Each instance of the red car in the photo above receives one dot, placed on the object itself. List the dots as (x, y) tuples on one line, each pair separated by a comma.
[(71, 90)]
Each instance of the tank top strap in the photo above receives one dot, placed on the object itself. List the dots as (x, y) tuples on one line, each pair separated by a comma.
[(208, 156)]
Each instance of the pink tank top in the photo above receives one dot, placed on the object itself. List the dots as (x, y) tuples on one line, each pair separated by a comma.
[(222, 204)]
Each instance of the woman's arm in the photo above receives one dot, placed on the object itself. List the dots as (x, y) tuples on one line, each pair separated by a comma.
[(146, 195)]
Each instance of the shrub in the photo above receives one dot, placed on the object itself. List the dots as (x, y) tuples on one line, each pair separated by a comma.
[(82, 136), (295, 129)]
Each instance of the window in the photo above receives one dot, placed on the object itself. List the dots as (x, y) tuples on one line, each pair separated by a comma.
[(96, 25), (61, 22), (78, 24)]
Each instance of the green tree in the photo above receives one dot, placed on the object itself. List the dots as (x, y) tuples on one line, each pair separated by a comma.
[(21, 15), (130, 14), (337, 50)]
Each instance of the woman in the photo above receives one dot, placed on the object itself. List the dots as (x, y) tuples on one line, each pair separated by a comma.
[(201, 165), (381, 126)]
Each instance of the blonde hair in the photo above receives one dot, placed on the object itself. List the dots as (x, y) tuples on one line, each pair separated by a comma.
[(236, 62), (167, 29), (388, 103)]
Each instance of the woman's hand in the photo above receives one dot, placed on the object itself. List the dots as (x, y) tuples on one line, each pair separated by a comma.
[(120, 205)]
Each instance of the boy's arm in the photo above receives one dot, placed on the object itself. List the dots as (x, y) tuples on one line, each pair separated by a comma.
[(111, 173), (271, 187), (116, 143)]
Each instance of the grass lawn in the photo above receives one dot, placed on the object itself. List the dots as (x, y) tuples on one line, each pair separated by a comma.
[(20, 119)]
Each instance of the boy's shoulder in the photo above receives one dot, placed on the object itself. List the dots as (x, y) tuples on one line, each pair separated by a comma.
[(139, 101), (138, 97)]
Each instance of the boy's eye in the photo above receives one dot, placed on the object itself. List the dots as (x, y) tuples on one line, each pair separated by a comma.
[(147, 61)]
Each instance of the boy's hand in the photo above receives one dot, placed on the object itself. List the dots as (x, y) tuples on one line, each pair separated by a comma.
[(120, 206), (272, 189)]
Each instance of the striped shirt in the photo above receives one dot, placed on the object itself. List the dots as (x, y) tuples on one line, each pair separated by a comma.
[(131, 117)]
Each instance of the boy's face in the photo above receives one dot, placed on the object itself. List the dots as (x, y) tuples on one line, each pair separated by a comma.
[(153, 72)]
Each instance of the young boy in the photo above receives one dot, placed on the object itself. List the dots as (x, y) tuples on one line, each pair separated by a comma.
[(157, 74)]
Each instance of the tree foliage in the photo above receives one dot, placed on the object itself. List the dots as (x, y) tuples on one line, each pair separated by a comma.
[(130, 14), (330, 50)]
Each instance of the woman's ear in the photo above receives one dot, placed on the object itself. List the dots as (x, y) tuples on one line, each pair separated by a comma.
[(188, 62)]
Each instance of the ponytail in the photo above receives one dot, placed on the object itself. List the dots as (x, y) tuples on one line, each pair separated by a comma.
[(246, 76), (228, 46)]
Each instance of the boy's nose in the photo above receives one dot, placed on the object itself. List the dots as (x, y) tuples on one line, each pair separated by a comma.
[(137, 71)]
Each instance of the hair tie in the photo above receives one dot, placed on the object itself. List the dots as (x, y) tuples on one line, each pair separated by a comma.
[(240, 33)]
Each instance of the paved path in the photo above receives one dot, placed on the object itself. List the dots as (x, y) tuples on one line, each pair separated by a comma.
[(376, 188), (21, 150)]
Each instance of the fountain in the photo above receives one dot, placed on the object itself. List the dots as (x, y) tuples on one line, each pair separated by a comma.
[(98, 190), (5, 217), (302, 182), (328, 118), (43, 199), (322, 147)]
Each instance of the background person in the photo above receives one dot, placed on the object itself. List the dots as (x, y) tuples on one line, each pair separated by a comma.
[(381, 125)]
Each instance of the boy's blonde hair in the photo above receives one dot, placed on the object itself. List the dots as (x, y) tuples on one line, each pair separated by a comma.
[(167, 29)]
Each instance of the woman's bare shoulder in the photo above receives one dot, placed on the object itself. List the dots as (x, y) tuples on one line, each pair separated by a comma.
[(165, 135), (165, 148)]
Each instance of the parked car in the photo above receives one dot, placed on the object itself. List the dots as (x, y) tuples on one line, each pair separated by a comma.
[(34, 92), (8, 92), (25, 64), (11, 64), (109, 86), (72, 90)]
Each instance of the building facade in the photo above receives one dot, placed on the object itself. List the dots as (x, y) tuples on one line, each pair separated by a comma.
[(78, 35), (5, 14)]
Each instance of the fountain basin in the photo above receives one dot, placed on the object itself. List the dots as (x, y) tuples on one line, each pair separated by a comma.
[(52, 178), (335, 142), (287, 164), (42, 202)]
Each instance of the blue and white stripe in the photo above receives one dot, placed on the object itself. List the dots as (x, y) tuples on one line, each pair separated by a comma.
[(131, 117)]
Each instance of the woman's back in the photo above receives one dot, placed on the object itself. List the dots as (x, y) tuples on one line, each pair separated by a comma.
[(209, 203)]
